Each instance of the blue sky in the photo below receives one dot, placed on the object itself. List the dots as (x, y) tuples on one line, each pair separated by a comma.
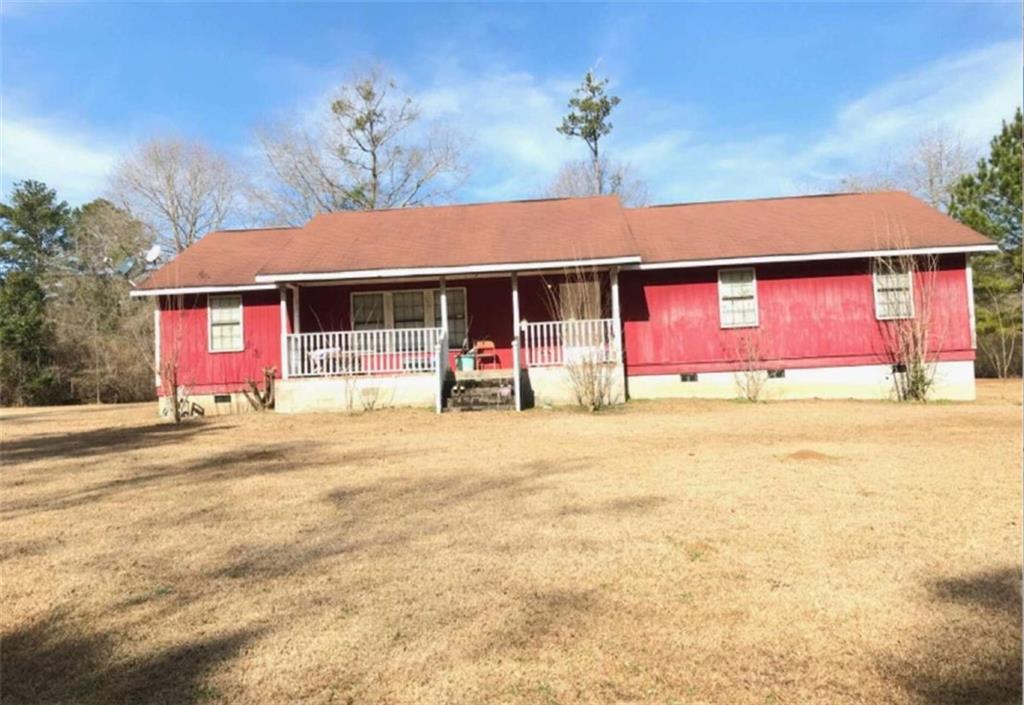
[(718, 100)]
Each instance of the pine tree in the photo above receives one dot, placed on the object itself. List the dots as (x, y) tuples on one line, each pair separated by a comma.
[(32, 228), (589, 110), (989, 201)]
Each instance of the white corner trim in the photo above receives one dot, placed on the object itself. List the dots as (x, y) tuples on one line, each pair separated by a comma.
[(201, 290), (969, 272), (156, 344), (768, 259), (437, 271)]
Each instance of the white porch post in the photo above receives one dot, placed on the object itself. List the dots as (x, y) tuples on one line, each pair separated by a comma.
[(444, 306), (516, 352), (970, 302), (443, 345), (448, 343), (156, 343), (616, 315), (284, 333), (296, 324)]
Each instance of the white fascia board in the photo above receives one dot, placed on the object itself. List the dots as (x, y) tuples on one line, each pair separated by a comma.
[(768, 259), (200, 290), (439, 271)]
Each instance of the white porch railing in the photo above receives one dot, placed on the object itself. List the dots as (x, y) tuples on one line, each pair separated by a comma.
[(564, 342), (344, 353)]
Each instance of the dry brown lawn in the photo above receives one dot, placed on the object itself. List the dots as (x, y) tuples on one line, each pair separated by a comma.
[(678, 552)]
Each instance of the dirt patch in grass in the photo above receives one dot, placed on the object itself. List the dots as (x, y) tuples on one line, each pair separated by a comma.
[(811, 455), (689, 552)]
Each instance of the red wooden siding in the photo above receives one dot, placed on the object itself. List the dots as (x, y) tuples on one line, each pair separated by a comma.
[(812, 314), (183, 332)]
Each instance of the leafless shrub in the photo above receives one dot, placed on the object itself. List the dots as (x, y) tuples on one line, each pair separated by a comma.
[(261, 399), (171, 383), (751, 377), (906, 287), (585, 355)]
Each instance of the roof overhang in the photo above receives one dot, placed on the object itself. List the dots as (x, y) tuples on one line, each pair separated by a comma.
[(768, 259), (200, 290), (508, 267)]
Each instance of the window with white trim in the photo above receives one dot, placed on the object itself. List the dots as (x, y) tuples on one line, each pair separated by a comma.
[(737, 298), (224, 314), (408, 309), (411, 308), (894, 291), (368, 311)]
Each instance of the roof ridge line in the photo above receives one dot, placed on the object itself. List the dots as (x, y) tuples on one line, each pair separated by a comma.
[(766, 198), (413, 209), (250, 230)]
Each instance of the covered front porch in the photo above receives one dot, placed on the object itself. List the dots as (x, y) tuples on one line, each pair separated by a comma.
[(446, 341)]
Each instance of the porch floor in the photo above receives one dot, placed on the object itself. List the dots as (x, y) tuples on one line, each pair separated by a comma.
[(482, 374)]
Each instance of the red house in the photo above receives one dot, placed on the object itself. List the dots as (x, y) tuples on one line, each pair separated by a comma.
[(506, 301)]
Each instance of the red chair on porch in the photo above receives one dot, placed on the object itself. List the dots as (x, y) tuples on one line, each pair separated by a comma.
[(486, 355)]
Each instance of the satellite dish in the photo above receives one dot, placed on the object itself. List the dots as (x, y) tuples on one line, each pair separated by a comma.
[(153, 254)]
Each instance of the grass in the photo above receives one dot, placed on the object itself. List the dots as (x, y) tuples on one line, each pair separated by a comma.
[(670, 552)]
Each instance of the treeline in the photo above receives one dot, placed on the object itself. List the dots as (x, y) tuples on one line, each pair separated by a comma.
[(989, 200), (68, 330)]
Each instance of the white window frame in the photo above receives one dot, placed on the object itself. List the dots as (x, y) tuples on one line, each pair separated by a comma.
[(209, 323), (428, 307), (907, 274), (721, 299)]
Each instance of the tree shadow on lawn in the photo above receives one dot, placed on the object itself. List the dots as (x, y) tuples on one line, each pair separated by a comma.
[(98, 441), (53, 660), (235, 464), (540, 617), (392, 512), (974, 657)]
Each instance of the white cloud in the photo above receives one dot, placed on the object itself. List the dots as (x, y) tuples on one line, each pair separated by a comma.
[(509, 119), (73, 162), (968, 94)]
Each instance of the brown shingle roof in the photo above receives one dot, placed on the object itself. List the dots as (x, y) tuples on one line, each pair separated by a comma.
[(794, 226), (222, 258), (451, 236), (558, 230)]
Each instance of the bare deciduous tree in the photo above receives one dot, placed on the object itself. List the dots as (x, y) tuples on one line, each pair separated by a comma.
[(371, 150), (576, 179), (928, 168), (934, 163), (94, 319), (182, 189)]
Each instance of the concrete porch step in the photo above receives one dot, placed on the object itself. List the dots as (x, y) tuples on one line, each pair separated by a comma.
[(478, 392)]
